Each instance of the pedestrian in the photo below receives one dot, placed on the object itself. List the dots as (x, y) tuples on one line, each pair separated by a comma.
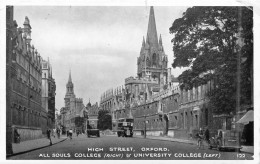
[(200, 137), (206, 135), (53, 131), (70, 133), (49, 135), (58, 133), (67, 133)]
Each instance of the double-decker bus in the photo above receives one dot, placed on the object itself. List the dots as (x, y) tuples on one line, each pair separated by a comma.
[(125, 127)]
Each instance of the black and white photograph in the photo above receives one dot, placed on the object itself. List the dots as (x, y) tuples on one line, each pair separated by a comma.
[(129, 81)]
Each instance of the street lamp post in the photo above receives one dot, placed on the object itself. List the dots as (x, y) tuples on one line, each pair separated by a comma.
[(145, 126)]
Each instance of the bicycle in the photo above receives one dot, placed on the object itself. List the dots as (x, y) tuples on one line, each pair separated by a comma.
[(200, 141)]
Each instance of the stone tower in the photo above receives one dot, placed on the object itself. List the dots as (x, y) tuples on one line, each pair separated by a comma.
[(152, 62), (45, 84), (27, 30), (69, 92)]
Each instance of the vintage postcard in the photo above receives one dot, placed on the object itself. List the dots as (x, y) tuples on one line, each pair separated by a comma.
[(128, 80)]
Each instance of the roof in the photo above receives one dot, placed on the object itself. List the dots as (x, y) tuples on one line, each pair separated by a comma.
[(249, 116)]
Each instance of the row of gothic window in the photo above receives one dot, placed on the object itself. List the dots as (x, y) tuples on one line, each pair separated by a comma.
[(25, 118)]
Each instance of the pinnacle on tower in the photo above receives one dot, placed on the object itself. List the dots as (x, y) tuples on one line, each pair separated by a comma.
[(160, 40), (152, 38), (143, 44), (89, 104), (27, 23)]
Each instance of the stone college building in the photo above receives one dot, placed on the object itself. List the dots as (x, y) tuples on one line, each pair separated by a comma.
[(154, 97)]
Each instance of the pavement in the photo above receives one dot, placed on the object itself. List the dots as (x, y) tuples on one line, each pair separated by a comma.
[(31, 145), (245, 149)]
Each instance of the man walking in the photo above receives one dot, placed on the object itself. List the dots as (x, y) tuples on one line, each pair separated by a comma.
[(49, 135)]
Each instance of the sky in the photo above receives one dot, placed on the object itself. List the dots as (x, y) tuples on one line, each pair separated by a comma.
[(100, 45)]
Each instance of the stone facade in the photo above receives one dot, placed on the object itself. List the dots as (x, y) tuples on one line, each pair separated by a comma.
[(24, 78), (143, 96), (106, 100), (157, 103), (48, 93), (154, 95)]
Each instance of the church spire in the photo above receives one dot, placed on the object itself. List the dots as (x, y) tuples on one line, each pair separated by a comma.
[(152, 38), (70, 87), (69, 81)]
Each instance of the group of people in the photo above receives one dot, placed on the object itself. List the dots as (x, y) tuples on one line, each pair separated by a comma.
[(58, 132), (51, 132), (202, 135)]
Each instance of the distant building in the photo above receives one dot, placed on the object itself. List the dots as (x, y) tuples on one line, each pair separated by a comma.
[(73, 107), (24, 82), (48, 92), (92, 112), (58, 120), (106, 100)]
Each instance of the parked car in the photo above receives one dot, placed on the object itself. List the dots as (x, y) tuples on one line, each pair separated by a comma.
[(226, 140)]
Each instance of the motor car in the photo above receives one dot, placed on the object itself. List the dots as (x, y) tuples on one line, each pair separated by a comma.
[(226, 140)]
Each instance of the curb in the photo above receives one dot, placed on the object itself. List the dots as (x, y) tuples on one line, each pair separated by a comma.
[(27, 151), (166, 140), (183, 142)]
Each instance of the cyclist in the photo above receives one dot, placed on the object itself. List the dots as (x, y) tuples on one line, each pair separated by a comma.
[(70, 133), (200, 137)]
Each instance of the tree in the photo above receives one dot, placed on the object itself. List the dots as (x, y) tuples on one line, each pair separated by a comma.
[(206, 40), (104, 120)]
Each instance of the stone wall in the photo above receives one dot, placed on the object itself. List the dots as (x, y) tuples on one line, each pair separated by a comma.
[(28, 133)]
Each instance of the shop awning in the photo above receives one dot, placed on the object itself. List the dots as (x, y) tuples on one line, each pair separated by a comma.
[(249, 116)]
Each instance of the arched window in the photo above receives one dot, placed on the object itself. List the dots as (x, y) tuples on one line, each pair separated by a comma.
[(154, 59)]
